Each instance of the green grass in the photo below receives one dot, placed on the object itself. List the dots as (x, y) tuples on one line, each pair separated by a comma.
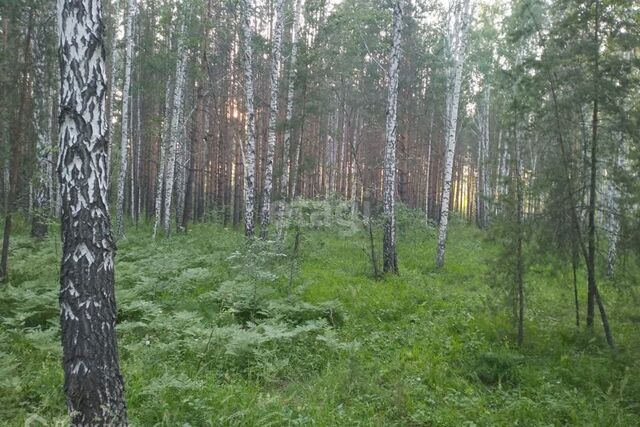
[(427, 347)]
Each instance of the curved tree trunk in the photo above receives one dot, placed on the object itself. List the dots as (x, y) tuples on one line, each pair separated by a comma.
[(456, 41), (93, 384)]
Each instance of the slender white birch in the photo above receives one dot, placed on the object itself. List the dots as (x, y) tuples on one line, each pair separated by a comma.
[(389, 255), (276, 64), (162, 160), (456, 44), (181, 178), (483, 166), (41, 118), (175, 130), (137, 208), (93, 383), (124, 135), (114, 69), (250, 146), (286, 146)]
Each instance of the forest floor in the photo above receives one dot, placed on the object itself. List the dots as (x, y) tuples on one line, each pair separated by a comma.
[(212, 335)]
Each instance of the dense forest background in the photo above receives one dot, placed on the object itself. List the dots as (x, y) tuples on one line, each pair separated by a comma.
[(379, 123)]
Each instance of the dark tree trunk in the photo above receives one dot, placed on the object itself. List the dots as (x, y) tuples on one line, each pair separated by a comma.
[(16, 148)]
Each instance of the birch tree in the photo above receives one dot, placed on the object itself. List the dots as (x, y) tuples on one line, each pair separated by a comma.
[(175, 130), (483, 163), (114, 24), (41, 125), (162, 160), (390, 260), (124, 135), (92, 381), (250, 145), (456, 44), (286, 146), (276, 62)]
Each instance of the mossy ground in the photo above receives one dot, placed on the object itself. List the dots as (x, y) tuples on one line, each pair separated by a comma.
[(427, 347)]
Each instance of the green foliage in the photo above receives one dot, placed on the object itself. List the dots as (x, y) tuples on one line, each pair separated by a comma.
[(498, 368), (211, 333)]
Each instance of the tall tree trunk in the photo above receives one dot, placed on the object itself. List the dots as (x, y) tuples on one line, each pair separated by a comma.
[(136, 207), (112, 79), (164, 141), (456, 41), (93, 384), (427, 180), (124, 135), (286, 147), (175, 130), (483, 164), (276, 62), (250, 153), (41, 120), (181, 163), (16, 134), (518, 170), (593, 294), (390, 258)]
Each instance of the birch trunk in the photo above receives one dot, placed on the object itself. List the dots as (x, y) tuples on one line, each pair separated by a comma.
[(114, 69), (456, 43), (92, 381), (276, 62), (124, 136), (181, 164), (250, 146), (137, 207), (390, 261), (161, 161), (285, 193), (41, 118), (483, 166), (175, 131)]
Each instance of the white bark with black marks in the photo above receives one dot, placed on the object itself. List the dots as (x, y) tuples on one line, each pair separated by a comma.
[(483, 162), (286, 145), (92, 381), (390, 260), (175, 131), (276, 64), (250, 146), (456, 44), (162, 159), (124, 135), (41, 124)]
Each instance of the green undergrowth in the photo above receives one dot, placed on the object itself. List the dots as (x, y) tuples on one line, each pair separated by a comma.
[(213, 332)]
